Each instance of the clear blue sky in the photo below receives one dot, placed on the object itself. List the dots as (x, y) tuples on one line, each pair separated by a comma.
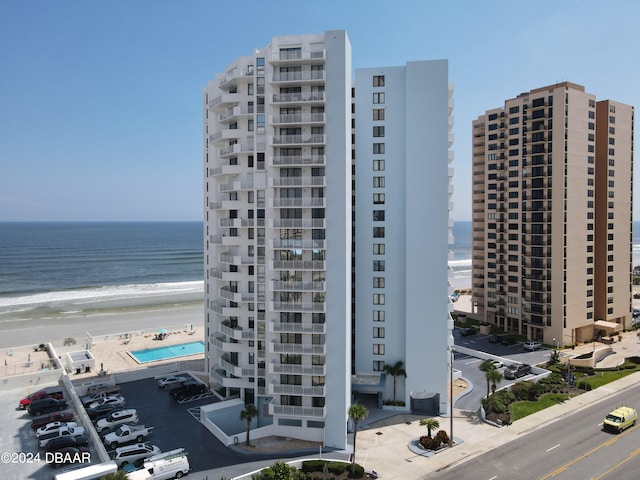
[(100, 101)]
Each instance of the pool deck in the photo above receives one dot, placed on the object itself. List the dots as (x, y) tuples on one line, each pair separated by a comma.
[(111, 351)]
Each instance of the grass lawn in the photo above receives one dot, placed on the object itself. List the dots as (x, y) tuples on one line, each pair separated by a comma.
[(522, 409), (602, 378)]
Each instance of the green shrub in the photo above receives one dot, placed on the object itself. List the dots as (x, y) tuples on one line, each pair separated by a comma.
[(443, 437), (355, 471), (582, 385), (337, 468), (312, 465)]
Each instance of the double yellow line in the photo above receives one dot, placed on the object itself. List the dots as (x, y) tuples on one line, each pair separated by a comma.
[(608, 443)]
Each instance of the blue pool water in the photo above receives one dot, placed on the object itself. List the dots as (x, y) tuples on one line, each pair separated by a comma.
[(170, 351)]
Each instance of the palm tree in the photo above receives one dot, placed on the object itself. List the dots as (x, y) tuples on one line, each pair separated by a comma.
[(431, 424), (248, 414), (486, 367), (357, 412), (395, 371), (495, 377)]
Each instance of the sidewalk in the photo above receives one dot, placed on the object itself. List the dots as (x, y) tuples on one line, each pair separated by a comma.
[(382, 446)]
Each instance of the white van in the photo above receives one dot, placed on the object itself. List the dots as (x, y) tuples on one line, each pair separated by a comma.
[(91, 472), (172, 464)]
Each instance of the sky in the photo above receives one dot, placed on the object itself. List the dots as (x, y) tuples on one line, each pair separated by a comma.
[(101, 101)]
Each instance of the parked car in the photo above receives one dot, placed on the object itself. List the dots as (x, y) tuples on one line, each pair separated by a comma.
[(69, 455), (135, 454), (39, 395), (126, 434), (532, 346), (466, 332), (50, 427), (188, 389), (61, 432), (94, 397), (102, 411), (38, 422), (495, 339), (63, 442), (46, 405), (172, 381), (117, 418), (497, 364), (109, 400), (508, 340), (511, 372)]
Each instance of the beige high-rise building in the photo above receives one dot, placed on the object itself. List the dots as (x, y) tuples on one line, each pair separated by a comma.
[(552, 215)]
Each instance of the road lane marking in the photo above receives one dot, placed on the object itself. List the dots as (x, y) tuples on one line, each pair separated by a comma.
[(473, 361), (631, 455), (555, 446)]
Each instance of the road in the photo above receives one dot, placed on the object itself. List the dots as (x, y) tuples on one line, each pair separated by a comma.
[(573, 447)]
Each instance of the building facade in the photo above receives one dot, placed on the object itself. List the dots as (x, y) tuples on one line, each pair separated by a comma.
[(403, 120), (279, 190), (552, 206)]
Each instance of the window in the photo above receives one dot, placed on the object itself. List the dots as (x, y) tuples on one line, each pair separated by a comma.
[(378, 80), (378, 165), (378, 315), (378, 332), (378, 232), (378, 365), (378, 148), (378, 348), (378, 298), (378, 265), (378, 182), (378, 97), (378, 282), (378, 114), (378, 215), (378, 198), (378, 248), (378, 131)]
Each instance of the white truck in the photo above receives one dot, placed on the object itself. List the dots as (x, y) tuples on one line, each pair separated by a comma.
[(126, 434), (172, 464)]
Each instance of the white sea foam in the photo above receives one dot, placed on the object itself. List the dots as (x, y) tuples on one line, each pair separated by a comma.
[(74, 299), (460, 264)]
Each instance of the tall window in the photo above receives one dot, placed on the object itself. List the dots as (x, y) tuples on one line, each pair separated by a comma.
[(378, 80), (378, 114), (378, 97)]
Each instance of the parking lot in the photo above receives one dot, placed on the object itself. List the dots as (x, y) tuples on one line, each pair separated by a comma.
[(468, 364)]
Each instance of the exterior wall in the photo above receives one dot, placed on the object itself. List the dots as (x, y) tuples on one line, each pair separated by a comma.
[(277, 233), (542, 214), (416, 225)]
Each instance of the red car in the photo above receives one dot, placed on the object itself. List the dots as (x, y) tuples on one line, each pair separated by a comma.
[(51, 417), (39, 395)]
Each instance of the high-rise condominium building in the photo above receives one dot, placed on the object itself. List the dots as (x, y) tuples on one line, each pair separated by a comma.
[(278, 128), (552, 215)]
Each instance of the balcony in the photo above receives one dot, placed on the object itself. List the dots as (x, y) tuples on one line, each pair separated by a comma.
[(224, 101), (277, 285), (297, 223), (224, 240), (296, 160), (222, 345), (297, 348), (297, 265), (319, 307), (298, 181), (297, 139), (297, 118), (224, 310), (237, 297), (245, 184), (290, 411), (226, 275), (219, 378), (296, 369), (280, 327), (226, 134), (300, 202), (234, 113), (311, 56), (279, 389), (299, 97), (288, 243), (226, 205), (314, 76), (231, 368), (235, 259)]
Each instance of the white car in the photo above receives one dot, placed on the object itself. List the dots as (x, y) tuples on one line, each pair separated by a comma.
[(497, 364), (171, 381), (53, 426), (114, 419), (135, 454), (531, 346), (61, 432), (116, 400)]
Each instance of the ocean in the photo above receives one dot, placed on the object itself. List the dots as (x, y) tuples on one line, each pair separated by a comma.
[(61, 267), (58, 268)]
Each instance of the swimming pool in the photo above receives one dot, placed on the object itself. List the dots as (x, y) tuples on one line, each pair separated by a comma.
[(170, 351)]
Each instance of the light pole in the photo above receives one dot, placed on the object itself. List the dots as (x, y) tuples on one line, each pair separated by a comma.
[(451, 396)]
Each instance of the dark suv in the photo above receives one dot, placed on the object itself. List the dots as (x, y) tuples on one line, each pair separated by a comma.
[(516, 371)]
